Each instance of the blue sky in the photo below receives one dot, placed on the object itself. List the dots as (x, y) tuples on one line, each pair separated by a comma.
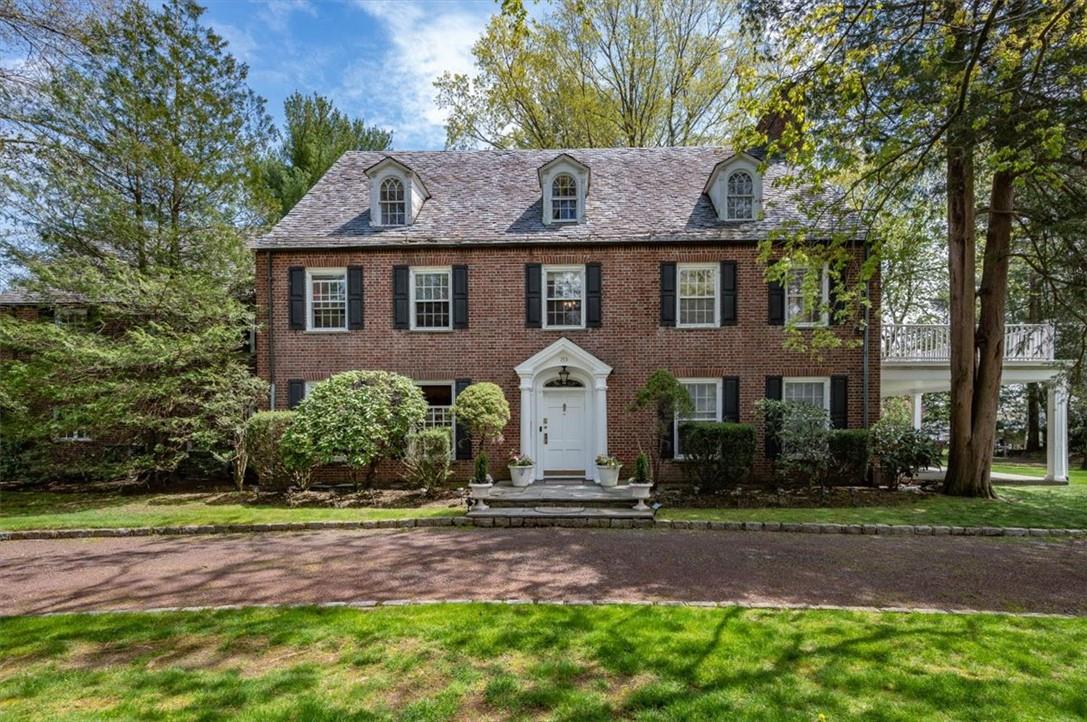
[(375, 59)]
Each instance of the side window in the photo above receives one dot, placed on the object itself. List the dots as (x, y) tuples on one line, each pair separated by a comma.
[(697, 294), (431, 299), (326, 299)]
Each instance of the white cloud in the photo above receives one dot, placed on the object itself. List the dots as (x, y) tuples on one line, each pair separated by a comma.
[(277, 13), (240, 43), (426, 40)]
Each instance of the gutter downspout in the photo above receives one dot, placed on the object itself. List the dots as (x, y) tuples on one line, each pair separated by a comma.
[(867, 345), (271, 338)]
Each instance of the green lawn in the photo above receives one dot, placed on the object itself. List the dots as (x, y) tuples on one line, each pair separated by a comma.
[(1022, 506), (492, 662), (37, 510)]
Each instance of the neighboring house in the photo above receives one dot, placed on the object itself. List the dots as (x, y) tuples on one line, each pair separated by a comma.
[(566, 277)]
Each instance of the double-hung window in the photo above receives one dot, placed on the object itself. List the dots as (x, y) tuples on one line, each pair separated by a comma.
[(564, 297), (439, 411), (798, 307), (564, 198), (392, 202), (696, 301), (706, 398), (808, 390), (326, 299), (740, 196), (431, 299)]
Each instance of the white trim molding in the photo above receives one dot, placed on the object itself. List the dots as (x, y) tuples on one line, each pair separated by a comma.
[(413, 271), (715, 269), (563, 164), (717, 186), (415, 193), (328, 272), (544, 270), (542, 367)]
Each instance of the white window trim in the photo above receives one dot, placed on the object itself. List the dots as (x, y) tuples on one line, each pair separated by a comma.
[(452, 417), (581, 180), (824, 299), (310, 273), (754, 195), (719, 189), (716, 269), (577, 198), (307, 386), (543, 295), (375, 205), (825, 380), (448, 271), (676, 419)]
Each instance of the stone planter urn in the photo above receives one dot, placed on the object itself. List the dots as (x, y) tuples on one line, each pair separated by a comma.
[(607, 475), (521, 475)]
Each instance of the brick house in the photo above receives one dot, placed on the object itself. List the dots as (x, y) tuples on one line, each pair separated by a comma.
[(566, 277)]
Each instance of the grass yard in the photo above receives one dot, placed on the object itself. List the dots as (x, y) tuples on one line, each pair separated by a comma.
[(493, 662), (43, 510), (1022, 506)]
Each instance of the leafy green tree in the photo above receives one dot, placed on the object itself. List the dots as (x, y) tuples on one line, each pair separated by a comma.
[(143, 146), (315, 136), (358, 418), (598, 73), (156, 375), (667, 398), (874, 98), (482, 409)]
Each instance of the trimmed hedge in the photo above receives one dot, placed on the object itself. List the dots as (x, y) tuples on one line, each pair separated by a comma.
[(718, 454), (849, 456), (263, 432)]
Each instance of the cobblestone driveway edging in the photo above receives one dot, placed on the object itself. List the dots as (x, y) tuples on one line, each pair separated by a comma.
[(558, 521)]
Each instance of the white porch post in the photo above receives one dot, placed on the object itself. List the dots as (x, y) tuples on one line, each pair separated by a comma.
[(600, 408), (528, 416), (917, 411), (1056, 449)]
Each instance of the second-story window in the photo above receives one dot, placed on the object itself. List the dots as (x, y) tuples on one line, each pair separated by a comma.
[(798, 307), (564, 296), (564, 198), (740, 196), (70, 316), (431, 299), (327, 298), (697, 297), (392, 204)]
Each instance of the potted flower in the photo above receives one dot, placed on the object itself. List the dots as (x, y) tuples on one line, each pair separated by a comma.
[(521, 468), (607, 470)]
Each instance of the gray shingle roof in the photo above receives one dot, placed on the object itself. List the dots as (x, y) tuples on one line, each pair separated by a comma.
[(493, 197)]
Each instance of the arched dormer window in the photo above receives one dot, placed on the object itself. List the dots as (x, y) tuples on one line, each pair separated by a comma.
[(740, 196), (392, 202), (564, 198)]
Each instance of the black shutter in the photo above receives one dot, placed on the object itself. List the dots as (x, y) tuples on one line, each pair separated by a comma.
[(296, 391), (728, 293), (533, 295), (462, 442), (839, 402), (460, 296), (773, 443), (296, 297), (401, 302), (354, 297), (775, 303), (730, 399), (593, 293), (668, 437), (668, 295)]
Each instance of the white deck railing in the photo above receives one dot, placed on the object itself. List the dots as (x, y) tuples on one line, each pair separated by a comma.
[(932, 342)]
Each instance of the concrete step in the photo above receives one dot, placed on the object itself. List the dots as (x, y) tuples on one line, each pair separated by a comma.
[(563, 512)]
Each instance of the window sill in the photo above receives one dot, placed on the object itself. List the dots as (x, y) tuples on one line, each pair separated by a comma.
[(563, 328), (323, 331), (696, 326), (430, 330)]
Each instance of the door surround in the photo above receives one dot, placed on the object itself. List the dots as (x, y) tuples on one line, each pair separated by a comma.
[(537, 371)]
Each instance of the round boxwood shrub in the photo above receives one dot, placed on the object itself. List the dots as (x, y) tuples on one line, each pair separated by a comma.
[(849, 456), (718, 455), (262, 436)]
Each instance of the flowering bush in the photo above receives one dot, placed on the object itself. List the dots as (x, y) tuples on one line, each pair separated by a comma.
[(521, 460), (609, 461)]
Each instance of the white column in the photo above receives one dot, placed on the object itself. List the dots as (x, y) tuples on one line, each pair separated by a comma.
[(917, 411), (600, 410), (528, 425), (1056, 447)]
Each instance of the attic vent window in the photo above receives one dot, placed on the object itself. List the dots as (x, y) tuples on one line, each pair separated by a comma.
[(740, 196), (564, 198), (391, 201)]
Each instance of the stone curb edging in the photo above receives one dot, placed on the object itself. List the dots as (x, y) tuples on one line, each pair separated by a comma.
[(557, 521), (369, 604)]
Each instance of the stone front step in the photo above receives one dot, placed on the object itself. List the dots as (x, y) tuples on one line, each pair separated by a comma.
[(548, 492), (561, 512)]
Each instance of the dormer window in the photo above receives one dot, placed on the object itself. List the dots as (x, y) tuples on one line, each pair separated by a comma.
[(735, 188), (740, 196), (564, 198), (397, 194), (392, 203)]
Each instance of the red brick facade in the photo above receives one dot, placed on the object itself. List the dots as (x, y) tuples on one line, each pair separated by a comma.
[(630, 339)]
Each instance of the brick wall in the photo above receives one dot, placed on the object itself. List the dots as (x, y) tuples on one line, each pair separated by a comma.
[(630, 338)]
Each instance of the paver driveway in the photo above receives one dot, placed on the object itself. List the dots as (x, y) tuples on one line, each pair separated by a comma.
[(553, 564)]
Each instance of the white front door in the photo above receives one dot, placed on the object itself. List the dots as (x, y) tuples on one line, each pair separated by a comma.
[(563, 424)]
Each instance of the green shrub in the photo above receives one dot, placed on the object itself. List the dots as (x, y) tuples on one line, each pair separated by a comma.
[(849, 456), (262, 439), (480, 475), (641, 469), (718, 455), (803, 434), (358, 418), (426, 461), (483, 410), (902, 451)]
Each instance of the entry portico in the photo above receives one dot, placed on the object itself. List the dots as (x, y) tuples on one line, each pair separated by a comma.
[(564, 410)]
